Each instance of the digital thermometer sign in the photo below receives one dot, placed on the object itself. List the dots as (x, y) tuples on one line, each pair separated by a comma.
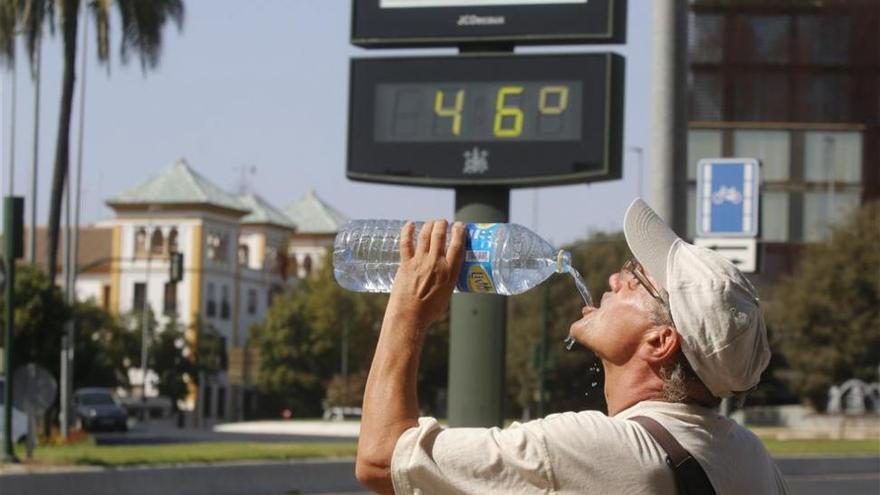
[(398, 23), (479, 111), (486, 120)]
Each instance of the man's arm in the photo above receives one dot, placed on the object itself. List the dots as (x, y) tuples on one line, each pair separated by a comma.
[(420, 295)]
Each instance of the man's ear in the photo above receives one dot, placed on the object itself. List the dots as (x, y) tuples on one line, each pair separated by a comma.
[(660, 344)]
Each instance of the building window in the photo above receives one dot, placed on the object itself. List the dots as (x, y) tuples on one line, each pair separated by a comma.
[(757, 97), (252, 301), (705, 38), (774, 216), (243, 254), (833, 155), (170, 307), (771, 147), (157, 243), (172, 240), (140, 296), (824, 209), (224, 303), (140, 242), (307, 265), (216, 244), (211, 305), (825, 94), (702, 143), (823, 39), (705, 96), (763, 39)]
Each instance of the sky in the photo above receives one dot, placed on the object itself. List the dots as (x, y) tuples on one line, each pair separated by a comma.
[(261, 87)]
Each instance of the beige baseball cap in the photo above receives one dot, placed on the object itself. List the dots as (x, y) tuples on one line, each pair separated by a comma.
[(714, 307)]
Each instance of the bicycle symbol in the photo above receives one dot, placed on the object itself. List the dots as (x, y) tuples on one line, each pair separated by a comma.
[(727, 194)]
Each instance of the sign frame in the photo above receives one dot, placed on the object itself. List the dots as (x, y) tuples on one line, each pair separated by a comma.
[(521, 22), (393, 163), (741, 251), (707, 200)]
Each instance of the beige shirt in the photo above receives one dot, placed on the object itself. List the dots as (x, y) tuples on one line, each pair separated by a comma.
[(583, 452)]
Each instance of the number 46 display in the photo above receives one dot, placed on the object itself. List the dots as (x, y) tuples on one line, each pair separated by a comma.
[(508, 119)]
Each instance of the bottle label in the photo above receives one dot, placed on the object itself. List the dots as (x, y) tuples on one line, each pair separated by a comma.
[(476, 271)]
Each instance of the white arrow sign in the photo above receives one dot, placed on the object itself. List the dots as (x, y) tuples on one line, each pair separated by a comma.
[(741, 252)]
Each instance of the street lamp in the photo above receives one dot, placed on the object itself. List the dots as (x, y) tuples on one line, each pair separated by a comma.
[(145, 316), (638, 150)]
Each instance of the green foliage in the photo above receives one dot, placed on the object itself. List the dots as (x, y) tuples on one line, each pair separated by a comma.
[(170, 355), (104, 348), (87, 453), (826, 317), (572, 382), (346, 393), (300, 340), (141, 26), (210, 353), (40, 312), (168, 358)]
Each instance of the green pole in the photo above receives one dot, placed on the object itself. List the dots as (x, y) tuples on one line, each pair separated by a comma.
[(542, 352), (13, 210), (477, 328)]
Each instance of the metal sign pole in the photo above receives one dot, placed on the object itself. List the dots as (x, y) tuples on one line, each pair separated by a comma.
[(13, 216), (477, 324)]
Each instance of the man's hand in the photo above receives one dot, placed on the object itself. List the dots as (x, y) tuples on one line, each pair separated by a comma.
[(427, 274), (421, 293)]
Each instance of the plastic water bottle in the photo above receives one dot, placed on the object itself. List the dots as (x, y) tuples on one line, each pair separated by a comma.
[(500, 258)]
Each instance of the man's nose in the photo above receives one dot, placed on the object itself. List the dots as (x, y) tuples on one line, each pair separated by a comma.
[(614, 281)]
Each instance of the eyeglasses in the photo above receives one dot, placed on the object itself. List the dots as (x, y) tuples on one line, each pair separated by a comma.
[(635, 268)]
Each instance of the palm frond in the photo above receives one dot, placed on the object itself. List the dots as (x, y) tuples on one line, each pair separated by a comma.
[(7, 30), (101, 12), (142, 24), (32, 18)]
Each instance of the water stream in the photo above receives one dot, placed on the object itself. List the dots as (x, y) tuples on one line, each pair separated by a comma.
[(585, 293)]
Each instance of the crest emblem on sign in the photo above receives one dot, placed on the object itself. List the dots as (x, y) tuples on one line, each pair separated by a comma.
[(476, 161)]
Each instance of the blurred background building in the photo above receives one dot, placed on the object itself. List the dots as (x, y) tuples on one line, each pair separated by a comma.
[(239, 251), (795, 83)]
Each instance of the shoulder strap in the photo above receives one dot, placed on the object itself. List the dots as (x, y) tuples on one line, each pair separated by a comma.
[(689, 475)]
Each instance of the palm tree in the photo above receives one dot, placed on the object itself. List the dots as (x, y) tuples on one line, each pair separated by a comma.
[(142, 23)]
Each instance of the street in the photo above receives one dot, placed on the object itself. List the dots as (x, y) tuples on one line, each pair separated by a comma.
[(164, 431)]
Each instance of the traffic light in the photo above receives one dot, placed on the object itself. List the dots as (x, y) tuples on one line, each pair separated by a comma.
[(175, 270)]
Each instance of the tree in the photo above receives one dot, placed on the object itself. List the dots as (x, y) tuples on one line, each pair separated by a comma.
[(825, 318), (573, 379), (104, 348), (142, 22), (102, 345), (170, 362), (300, 340), (40, 312)]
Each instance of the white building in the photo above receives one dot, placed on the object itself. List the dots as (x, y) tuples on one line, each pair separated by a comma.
[(238, 251), (316, 225)]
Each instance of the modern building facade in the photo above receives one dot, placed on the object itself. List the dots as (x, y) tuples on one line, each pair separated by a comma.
[(797, 85)]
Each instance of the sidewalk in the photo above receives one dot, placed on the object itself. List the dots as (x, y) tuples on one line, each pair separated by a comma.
[(228, 478), (319, 428)]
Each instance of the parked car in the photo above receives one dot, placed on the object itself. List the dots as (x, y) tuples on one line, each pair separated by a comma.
[(98, 409), (19, 419)]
